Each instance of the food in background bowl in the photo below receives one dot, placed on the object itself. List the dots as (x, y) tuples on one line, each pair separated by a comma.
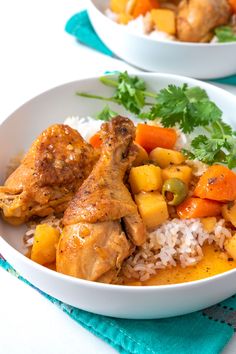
[(137, 203), (199, 21), (193, 59)]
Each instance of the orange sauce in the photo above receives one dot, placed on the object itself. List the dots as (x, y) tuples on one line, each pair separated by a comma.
[(214, 262)]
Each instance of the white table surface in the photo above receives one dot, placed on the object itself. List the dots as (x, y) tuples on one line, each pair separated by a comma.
[(36, 54)]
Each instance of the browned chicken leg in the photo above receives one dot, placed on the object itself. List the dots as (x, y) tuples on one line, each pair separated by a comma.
[(49, 175), (93, 244), (197, 18)]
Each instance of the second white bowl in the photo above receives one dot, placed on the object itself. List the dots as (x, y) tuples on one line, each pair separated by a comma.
[(199, 60)]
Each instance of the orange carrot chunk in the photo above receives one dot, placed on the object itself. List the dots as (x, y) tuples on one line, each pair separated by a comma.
[(217, 183), (198, 208), (95, 140), (150, 137), (141, 7), (233, 5)]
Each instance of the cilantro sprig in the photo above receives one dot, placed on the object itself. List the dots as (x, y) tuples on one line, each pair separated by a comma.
[(225, 34), (184, 107), (219, 145), (106, 114), (130, 92)]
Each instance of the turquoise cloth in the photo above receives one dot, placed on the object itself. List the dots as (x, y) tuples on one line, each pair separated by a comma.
[(80, 26), (203, 332)]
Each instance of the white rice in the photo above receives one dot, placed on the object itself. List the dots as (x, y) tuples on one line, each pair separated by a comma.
[(174, 242), (198, 167), (86, 126)]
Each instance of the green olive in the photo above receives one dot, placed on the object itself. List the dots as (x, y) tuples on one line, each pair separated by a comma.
[(177, 189)]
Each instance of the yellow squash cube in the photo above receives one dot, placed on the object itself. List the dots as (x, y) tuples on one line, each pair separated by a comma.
[(45, 242), (152, 208), (164, 20), (166, 157), (182, 172), (230, 246), (145, 178), (229, 212)]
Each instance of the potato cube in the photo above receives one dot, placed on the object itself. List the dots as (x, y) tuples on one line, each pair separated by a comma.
[(45, 241), (124, 19), (118, 6), (229, 212), (145, 178), (209, 223), (166, 157), (230, 246), (152, 208), (182, 172), (164, 20)]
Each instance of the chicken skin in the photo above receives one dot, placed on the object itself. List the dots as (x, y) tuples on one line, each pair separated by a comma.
[(93, 244), (197, 18), (53, 169)]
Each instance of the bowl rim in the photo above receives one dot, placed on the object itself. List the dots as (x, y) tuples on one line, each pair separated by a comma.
[(177, 43), (111, 287)]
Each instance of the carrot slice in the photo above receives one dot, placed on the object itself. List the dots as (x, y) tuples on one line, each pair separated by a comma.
[(150, 137), (141, 7), (217, 183), (198, 208), (95, 140), (233, 5)]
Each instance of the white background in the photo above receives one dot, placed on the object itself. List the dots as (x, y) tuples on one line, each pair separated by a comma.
[(36, 54)]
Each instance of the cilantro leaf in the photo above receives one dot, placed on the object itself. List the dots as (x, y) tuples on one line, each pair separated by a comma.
[(106, 114), (219, 146), (203, 112), (130, 92), (186, 107), (195, 94), (207, 150), (221, 129), (225, 34)]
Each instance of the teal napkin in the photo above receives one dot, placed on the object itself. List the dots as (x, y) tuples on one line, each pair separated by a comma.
[(80, 27), (203, 332)]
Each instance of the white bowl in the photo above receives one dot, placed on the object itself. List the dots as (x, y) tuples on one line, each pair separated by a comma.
[(17, 133), (199, 60)]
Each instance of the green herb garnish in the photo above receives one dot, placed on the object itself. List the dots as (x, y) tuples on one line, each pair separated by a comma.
[(225, 34), (130, 92), (184, 107), (219, 145), (106, 114), (176, 106)]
